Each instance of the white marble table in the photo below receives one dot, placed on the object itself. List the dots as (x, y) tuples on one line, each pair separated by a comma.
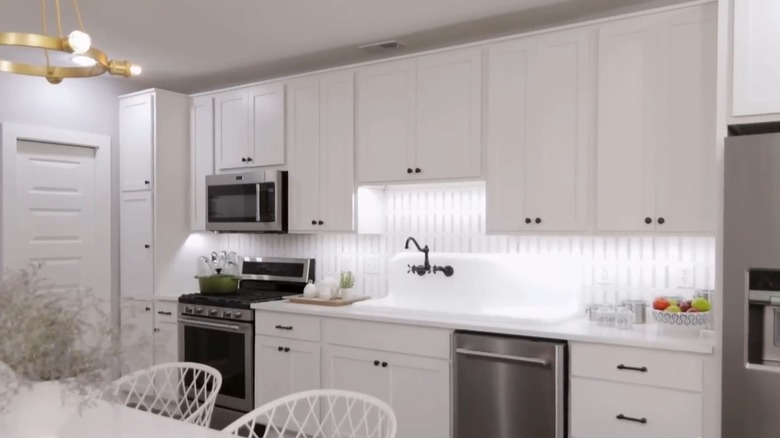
[(113, 421)]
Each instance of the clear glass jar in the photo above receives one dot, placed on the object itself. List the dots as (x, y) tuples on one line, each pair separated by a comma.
[(624, 318), (605, 316)]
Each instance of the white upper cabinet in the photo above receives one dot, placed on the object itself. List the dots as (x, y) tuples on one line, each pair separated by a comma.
[(136, 135), (249, 127), (201, 156), (756, 57), (539, 116), (321, 149), (420, 119), (266, 140), (449, 115), (656, 145), (385, 121)]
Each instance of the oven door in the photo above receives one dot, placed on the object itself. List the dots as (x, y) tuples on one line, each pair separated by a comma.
[(227, 346), (245, 202)]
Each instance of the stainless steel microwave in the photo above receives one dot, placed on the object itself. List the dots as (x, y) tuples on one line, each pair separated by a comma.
[(250, 202)]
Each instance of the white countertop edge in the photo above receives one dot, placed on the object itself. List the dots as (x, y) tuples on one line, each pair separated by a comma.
[(579, 330), (168, 298)]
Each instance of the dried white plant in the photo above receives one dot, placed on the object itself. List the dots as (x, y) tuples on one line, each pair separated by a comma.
[(48, 334)]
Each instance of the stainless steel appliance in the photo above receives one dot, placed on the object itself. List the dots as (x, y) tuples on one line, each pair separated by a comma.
[(508, 387), (751, 286), (218, 330), (249, 202)]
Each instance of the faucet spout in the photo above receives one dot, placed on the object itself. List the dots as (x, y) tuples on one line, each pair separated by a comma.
[(426, 267), (413, 240)]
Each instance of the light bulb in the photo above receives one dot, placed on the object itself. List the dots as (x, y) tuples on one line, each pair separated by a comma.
[(84, 61), (135, 69), (80, 42)]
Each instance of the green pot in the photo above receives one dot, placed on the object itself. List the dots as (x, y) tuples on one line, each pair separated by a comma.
[(218, 284)]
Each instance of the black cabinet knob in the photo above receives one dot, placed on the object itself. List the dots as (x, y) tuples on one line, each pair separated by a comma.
[(280, 348), (538, 221), (648, 221), (243, 160), (147, 308), (409, 170), (320, 223), (417, 170), (286, 349), (376, 363), (661, 220), (384, 364), (528, 220), (248, 159), (314, 222), (147, 182), (147, 246)]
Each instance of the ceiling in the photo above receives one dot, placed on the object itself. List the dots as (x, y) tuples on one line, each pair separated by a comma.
[(198, 45)]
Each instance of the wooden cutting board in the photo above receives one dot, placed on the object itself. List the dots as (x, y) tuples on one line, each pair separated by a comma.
[(336, 302)]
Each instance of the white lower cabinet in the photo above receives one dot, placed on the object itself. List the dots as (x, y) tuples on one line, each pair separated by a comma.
[(137, 322)]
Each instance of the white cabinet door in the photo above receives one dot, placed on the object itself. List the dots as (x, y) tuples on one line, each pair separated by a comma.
[(756, 57), (386, 121), (355, 369), (136, 328), (559, 132), (202, 156), (419, 395), (304, 149), (166, 342), (266, 134), (284, 366), (136, 256), (337, 151), (507, 134), (449, 115), (136, 142), (231, 131), (627, 85), (686, 184)]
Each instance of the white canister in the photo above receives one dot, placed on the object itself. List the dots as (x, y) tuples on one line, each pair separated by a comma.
[(327, 292), (310, 290)]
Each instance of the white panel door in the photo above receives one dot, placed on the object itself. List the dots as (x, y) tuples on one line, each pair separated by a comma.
[(507, 132), (266, 134), (231, 131), (559, 132), (420, 395), (284, 367), (686, 185), (202, 156), (355, 369), (304, 149), (136, 141), (136, 258), (337, 151), (136, 334), (55, 214), (386, 122), (449, 115), (627, 84), (756, 57)]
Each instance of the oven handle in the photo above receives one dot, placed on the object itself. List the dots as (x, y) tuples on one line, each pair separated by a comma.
[(257, 203), (205, 324)]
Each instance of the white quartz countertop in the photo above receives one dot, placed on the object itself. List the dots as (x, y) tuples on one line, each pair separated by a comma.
[(648, 335)]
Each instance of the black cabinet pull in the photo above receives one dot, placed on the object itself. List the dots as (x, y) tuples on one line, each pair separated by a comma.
[(243, 160), (648, 221), (147, 246), (320, 223), (640, 369), (286, 349), (528, 220), (642, 420), (376, 363), (283, 327), (661, 220), (248, 159), (538, 221), (280, 349), (160, 312), (409, 170), (314, 222), (147, 308), (417, 170), (147, 182), (384, 364)]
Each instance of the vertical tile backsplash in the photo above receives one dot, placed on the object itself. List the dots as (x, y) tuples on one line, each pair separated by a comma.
[(452, 219)]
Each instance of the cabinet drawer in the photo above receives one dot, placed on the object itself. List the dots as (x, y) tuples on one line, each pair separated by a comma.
[(636, 365), (420, 341), (165, 311), (596, 405), (286, 325)]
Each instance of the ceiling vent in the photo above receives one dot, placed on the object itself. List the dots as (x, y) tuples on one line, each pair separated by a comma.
[(384, 45)]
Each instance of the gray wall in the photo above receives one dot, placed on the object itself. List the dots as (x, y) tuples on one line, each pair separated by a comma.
[(88, 105)]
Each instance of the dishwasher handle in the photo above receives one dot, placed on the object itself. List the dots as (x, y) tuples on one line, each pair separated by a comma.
[(505, 357)]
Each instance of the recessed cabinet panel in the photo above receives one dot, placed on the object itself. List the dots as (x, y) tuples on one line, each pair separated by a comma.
[(304, 151), (136, 262), (266, 141), (756, 64), (136, 135), (231, 129), (202, 156)]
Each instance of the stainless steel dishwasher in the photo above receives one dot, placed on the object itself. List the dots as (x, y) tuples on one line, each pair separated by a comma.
[(509, 387)]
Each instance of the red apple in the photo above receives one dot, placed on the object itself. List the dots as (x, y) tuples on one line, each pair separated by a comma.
[(685, 305), (661, 304)]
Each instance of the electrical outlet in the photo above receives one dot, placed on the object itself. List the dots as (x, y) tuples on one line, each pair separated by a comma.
[(604, 276), (682, 276)]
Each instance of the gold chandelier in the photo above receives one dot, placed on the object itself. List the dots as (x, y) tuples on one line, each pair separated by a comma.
[(88, 60)]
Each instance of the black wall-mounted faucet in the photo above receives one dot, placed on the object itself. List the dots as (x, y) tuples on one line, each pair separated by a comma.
[(426, 268)]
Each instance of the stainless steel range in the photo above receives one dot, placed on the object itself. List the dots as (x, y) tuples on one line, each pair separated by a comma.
[(218, 330)]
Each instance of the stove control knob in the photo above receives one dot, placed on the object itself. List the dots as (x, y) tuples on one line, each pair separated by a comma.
[(227, 314), (199, 310), (212, 312), (237, 314), (188, 309)]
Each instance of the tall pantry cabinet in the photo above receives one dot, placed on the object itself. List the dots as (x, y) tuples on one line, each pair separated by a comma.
[(154, 219)]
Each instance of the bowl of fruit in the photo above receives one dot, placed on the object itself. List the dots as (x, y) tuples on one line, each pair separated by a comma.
[(678, 312)]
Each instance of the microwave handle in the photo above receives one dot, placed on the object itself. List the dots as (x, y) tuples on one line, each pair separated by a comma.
[(257, 203)]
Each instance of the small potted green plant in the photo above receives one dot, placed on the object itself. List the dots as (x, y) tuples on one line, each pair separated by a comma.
[(347, 284)]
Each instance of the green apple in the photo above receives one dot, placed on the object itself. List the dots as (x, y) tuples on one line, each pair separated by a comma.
[(701, 304), (672, 301), (673, 309)]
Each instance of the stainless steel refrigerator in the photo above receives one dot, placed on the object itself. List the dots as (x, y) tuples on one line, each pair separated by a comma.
[(751, 288)]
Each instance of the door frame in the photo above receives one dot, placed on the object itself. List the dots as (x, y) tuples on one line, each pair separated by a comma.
[(10, 135)]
